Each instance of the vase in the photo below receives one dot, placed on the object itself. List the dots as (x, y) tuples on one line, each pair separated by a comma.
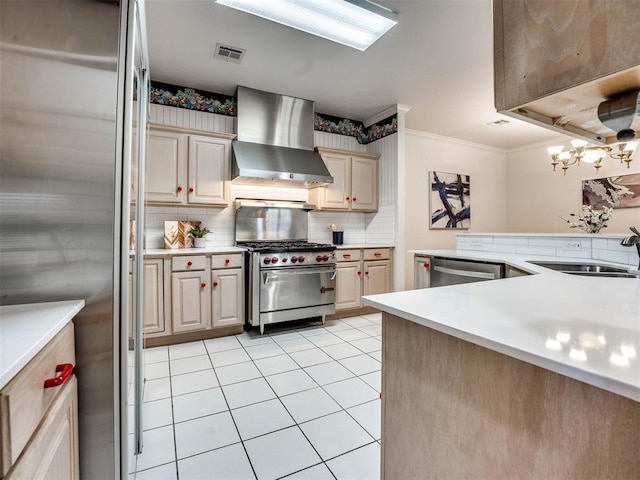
[(199, 242)]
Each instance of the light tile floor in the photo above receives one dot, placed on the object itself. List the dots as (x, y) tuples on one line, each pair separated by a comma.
[(300, 402)]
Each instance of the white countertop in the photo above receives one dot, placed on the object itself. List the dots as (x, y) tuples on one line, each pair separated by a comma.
[(25, 329), (192, 251), (540, 319), (361, 245)]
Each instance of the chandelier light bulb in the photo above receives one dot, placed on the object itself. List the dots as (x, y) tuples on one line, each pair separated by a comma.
[(578, 143), (555, 150), (630, 146), (592, 156)]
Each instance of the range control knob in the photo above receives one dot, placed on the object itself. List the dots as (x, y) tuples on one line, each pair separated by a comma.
[(267, 260), (301, 259), (294, 259), (284, 260), (325, 258), (274, 260), (319, 258)]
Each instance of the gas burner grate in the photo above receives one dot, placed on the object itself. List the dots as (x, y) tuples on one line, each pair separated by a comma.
[(274, 247)]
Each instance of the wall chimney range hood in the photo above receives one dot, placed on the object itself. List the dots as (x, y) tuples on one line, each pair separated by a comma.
[(275, 141)]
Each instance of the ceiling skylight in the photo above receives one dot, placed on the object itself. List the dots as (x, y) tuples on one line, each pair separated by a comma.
[(354, 23)]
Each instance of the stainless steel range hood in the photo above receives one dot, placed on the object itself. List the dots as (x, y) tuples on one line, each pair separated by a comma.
[(275, 141)]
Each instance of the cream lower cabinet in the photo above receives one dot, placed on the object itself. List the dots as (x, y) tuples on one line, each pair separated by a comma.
[(348, 285), (39, 434), (355, 182), (154, 323), (421, 271), (187, 169), (361, 272), (227, 297), (190, 301)]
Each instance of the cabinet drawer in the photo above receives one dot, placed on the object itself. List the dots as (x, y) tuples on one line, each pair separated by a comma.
[(347, 255), (24, 400), (226, 261), (377, 253), (188, 262)]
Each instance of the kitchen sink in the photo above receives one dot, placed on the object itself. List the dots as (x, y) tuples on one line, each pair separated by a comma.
[(587, 269)]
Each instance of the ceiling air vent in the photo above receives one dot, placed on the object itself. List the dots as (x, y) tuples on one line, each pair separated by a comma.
[(228, 54)]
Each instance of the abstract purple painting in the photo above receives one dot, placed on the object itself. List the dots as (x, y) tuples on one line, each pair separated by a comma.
[(450, 199), (621, 191)]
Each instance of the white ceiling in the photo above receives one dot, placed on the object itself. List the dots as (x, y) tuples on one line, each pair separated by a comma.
[(438, 61)]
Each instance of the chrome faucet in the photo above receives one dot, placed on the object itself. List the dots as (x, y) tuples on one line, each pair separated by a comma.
[(632, 240)]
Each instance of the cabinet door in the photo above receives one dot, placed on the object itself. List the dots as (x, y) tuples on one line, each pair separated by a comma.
[(364, 184), (52, 451), (421, 269), (191, 301), (338, 194), (227, 297), (153, 296), (348, 285), (208, 170), (166, 167), (377, 277)]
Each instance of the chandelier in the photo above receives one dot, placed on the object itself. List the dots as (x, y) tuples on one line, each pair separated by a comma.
[(581, 151)]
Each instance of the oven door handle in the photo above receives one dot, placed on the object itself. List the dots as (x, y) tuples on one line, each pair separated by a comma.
[(268, 276)]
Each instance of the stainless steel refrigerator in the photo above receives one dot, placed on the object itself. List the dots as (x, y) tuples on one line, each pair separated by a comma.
[(73, 80)]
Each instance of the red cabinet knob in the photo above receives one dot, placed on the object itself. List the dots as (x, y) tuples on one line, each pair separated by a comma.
[(65, 370), (179, 189), (347, 199), (203, 285), (359, 273), (377, 254), (346, 255), (425, 265), (226, 261), (215, 284), (189, 264), (366, 273), (191, 190), (355, 199)]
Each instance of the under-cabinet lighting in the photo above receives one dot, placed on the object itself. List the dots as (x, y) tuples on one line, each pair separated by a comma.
[(354, 23)]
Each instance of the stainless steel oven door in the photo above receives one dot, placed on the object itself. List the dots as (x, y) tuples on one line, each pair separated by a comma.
[(291, 288)]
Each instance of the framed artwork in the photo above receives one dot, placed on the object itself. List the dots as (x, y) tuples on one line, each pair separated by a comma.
[(621, 191), (449, 200)]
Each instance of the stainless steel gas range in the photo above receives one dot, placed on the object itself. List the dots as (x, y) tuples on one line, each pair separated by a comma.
[(288, 277)]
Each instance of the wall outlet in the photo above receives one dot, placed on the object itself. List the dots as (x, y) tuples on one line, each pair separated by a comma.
[(572, 246)]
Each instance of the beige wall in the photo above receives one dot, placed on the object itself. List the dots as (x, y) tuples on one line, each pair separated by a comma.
[(538, 196), (488, 170)]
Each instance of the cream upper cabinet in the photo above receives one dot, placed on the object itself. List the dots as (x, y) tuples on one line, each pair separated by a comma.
[(208, 170), (364, 184), (166, 169), (355, 182), (186, 169), (337, 194)]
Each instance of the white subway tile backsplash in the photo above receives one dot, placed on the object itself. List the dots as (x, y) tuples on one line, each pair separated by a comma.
[(535, 250), (604, 249), (499, 248), (584, 253)]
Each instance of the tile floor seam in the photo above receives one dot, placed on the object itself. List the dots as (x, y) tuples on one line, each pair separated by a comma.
[(231, 415)]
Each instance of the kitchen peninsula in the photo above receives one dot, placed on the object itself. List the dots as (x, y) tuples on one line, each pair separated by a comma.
[(536, 376)]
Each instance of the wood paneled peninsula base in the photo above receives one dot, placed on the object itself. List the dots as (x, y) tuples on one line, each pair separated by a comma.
[(452, 409)]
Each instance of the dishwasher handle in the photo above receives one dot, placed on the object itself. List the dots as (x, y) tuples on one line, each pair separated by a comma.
[(465, 273)]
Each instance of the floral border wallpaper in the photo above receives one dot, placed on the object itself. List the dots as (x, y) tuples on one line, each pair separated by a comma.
[(190, 98)]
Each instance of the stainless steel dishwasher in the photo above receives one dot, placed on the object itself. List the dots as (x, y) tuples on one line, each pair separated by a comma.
[(453, 271)]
